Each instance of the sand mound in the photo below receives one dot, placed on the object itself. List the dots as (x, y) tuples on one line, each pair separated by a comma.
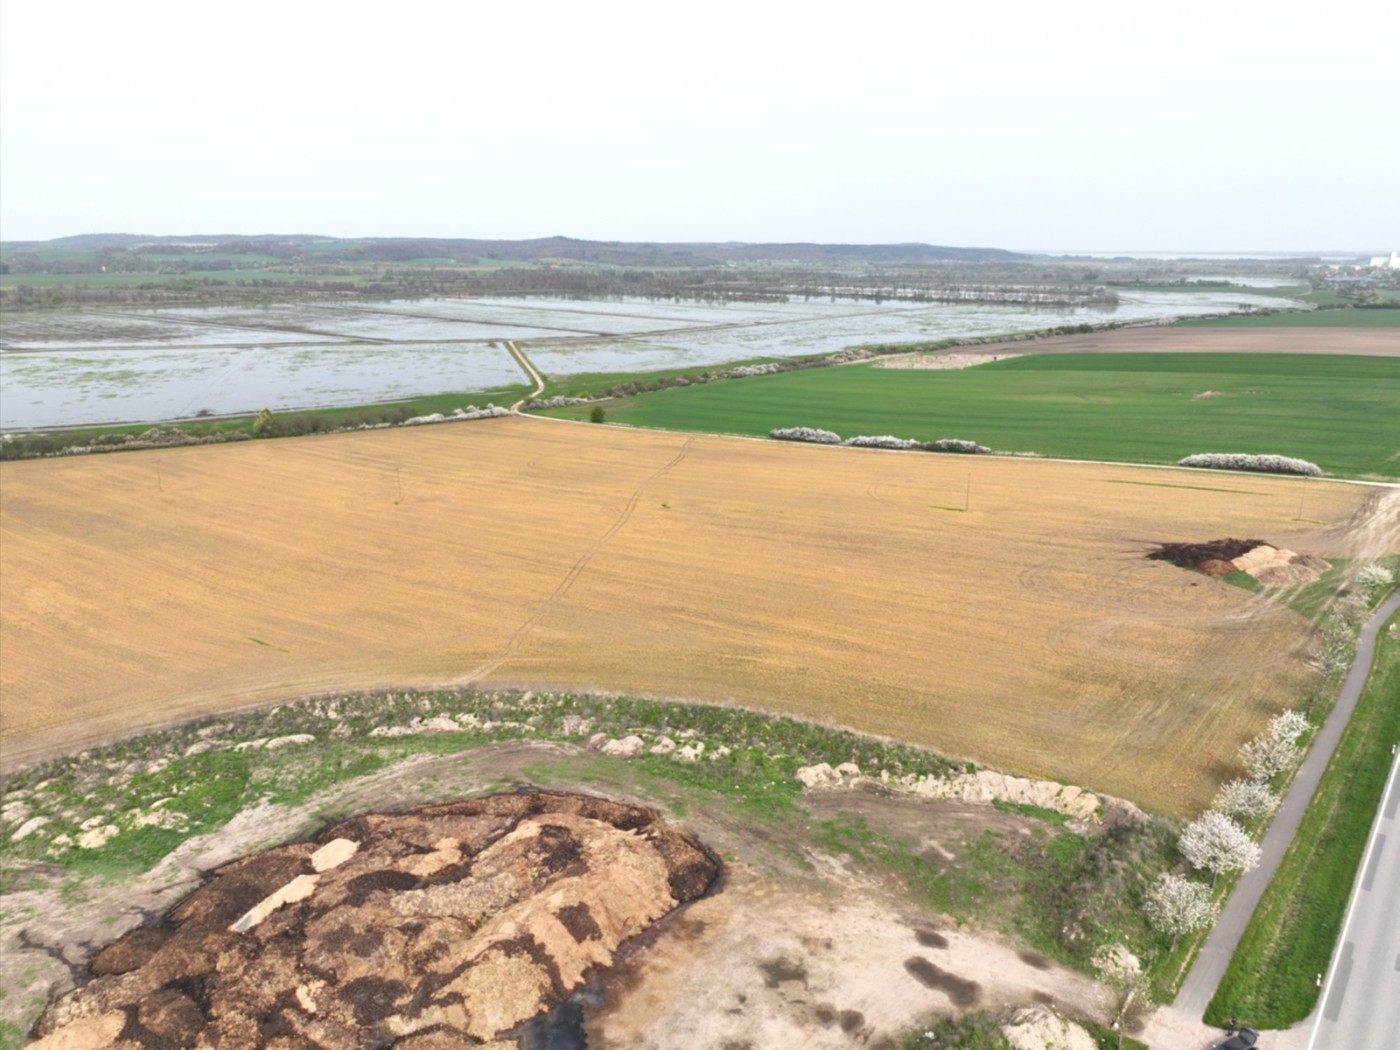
[(453, 924)]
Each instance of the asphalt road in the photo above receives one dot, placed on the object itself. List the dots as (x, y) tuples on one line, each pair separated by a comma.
[(1200, 984), (1361, 997)]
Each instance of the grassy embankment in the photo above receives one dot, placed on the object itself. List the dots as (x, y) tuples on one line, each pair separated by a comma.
[(1272, 977), (283, 424), (1341, 412)]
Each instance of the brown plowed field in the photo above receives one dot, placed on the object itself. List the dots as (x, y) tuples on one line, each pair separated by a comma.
[(1367, 342), (1028, 632)]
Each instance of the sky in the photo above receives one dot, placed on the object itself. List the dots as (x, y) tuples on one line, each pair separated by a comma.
[(1229, 125)]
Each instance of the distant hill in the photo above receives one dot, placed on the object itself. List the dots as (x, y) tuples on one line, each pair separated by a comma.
[(544, 250)]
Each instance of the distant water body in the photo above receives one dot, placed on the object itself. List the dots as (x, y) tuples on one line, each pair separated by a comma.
[(1329, 256)]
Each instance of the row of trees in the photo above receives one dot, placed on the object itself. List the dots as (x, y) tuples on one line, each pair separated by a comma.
[(1218, 842)]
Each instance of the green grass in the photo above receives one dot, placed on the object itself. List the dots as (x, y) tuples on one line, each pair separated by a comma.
[(1049, 816), (597, 384), (1342, 413), (1271, 981), (1243, 579)]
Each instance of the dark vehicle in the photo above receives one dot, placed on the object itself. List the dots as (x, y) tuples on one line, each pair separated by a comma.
[(1241, 1040)]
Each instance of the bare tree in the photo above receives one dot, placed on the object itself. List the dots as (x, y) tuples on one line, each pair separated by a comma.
[(1179, 905), (1216, 844), (1127, 990)]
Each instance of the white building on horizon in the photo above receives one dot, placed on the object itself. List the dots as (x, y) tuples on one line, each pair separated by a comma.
[(1391, 262)]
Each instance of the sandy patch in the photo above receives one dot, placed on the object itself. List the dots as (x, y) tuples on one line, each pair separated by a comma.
[(765, 964), (941, 361)]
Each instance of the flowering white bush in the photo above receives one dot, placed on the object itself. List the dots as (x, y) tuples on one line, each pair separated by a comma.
[(1178, 905), (820, 437), (557, 402), (957, 445), (1289, 725), (743, 371), (1249, 461), (1217, 844), (882, 441), (1373, 577), (1265, 756), (1246, 799)]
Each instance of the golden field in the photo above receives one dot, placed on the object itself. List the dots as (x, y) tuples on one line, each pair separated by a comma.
[(1027, 631)]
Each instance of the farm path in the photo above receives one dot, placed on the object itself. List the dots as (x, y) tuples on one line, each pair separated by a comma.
[(1200, 984), (524, 363), (522, 632)]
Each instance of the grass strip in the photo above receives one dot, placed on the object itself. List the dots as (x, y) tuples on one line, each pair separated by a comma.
[(288, 423), (1272, 979)]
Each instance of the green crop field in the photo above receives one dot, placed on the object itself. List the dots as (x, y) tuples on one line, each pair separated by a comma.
[(1340, 412)]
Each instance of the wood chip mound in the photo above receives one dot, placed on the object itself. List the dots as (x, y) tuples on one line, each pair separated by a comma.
[(451, 925)]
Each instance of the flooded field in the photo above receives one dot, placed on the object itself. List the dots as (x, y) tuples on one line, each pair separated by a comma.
[(108, 366)]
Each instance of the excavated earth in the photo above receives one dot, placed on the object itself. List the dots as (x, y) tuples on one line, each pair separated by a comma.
[(1272, 566), (448, 926)]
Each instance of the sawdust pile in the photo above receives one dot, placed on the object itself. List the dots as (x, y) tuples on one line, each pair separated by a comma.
[(1271, 566), (450, 926)]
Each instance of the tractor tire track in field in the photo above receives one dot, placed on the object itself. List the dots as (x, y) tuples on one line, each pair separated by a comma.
[(522, 632)]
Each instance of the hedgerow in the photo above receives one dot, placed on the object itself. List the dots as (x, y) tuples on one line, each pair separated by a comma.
[(1263, 464), (813, 434)]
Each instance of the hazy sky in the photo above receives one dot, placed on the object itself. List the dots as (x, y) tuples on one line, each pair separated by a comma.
[(1226, 125)]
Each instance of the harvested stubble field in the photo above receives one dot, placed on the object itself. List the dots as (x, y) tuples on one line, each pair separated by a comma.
[(1027, 631)]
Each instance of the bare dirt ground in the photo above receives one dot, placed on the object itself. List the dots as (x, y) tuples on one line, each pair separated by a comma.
[(941, 361), (797, 948), (1026, 631), (1367, 342)]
